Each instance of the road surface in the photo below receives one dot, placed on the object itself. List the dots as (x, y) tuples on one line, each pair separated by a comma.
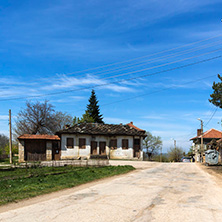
[(154, 192)]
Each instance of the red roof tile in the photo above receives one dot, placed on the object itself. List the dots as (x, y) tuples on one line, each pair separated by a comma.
[(38, 137), (212, 133), (131, 125)]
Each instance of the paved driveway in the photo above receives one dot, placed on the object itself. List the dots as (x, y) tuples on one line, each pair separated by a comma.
[(157, 192)]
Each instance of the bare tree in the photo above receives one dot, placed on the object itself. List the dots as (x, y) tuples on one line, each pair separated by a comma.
[(40, 118), (60, 120)]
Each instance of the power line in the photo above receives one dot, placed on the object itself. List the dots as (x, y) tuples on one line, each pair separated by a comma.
[(211, 117), (165, 64), (118, 81), (157, 53), (160, 58), (150, 93), (155, 59)]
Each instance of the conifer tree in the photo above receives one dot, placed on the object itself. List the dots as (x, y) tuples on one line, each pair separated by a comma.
[(216, 96), (93, 109)]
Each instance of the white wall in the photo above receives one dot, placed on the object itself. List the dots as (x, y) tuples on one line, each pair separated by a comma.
[(119, 153)]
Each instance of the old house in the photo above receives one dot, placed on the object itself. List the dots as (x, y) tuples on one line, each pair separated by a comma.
[(208, 136), (87, 140), (216, 144), (39, 147)]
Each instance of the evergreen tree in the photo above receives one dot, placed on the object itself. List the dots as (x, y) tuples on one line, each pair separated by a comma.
[(86, 118), (93, 109), (216, 96)]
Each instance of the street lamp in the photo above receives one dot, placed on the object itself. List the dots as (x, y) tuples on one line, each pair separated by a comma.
[(201, 138), (175, 142)]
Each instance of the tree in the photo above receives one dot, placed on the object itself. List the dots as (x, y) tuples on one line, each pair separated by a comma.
[(93, 109), (175, 154), (152, 144), (4, 140), (86, 118), (60, 120), (216, 96), (40, 118)]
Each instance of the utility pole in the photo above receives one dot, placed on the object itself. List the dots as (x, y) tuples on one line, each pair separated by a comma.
[(161, 154), (10, 136), (202, 147), (201, 141), (175, 144)]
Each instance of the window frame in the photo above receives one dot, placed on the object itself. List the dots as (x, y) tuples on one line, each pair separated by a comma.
[(83, 145), (126, 145), (113, 146), (68, 146)]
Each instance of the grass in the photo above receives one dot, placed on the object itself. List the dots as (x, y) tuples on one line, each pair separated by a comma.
[(24, 183), (7, 161)]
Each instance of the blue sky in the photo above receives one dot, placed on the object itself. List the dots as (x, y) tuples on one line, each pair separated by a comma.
[(54, 46)]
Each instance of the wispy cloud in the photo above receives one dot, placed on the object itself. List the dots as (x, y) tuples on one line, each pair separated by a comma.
[(66, 82), (3, 117)]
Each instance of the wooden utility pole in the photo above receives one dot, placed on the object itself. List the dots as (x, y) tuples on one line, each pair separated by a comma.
[(10, 136), (161, 154), (175, 144), (202, 147)]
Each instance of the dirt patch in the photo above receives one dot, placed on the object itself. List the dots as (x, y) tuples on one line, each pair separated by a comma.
[(214, 171)]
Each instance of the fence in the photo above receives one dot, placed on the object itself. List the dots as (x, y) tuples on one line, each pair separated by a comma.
[(58, 163)]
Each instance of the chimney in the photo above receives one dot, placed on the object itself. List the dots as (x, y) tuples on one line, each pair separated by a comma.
[(131, 123), (199, 132), (67, 126)]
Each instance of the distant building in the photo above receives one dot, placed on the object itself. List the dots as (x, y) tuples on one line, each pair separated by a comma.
[(208, 136)]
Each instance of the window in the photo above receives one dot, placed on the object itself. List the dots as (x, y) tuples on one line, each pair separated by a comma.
[(113, 144), (82, 143), (69, 142), (125, 144)]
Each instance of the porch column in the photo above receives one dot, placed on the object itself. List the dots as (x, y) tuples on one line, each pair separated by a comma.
[(21, 150), (48, 150)]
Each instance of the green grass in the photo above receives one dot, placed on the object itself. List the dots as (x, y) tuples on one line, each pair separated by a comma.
[(7, 161), (24, 183)]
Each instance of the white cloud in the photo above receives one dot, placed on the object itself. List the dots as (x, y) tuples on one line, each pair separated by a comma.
[(3, 117), (65, 82), (113, 120)]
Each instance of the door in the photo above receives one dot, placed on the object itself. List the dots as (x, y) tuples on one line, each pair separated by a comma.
[(93, 147), (136, 148), (35, 150), (102, 148), (56, 150)]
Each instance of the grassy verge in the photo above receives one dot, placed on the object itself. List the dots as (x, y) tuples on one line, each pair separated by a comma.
[(20, 184), (6, 161)]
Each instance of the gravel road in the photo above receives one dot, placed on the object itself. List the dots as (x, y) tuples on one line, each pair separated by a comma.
[(154, 192)]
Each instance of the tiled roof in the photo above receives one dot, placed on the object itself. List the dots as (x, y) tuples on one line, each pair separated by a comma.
[(210, 134), (131, 125), (38, 137), (103, 129)]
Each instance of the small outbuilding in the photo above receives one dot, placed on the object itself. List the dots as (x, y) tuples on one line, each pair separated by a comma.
[(39, 147)]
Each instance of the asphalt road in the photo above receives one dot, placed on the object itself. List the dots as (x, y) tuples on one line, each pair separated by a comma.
[(154, 192)]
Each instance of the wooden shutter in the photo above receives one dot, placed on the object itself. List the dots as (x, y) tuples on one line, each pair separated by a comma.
[(82, 143), (69, 142), (125, 143), (113, 144)]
